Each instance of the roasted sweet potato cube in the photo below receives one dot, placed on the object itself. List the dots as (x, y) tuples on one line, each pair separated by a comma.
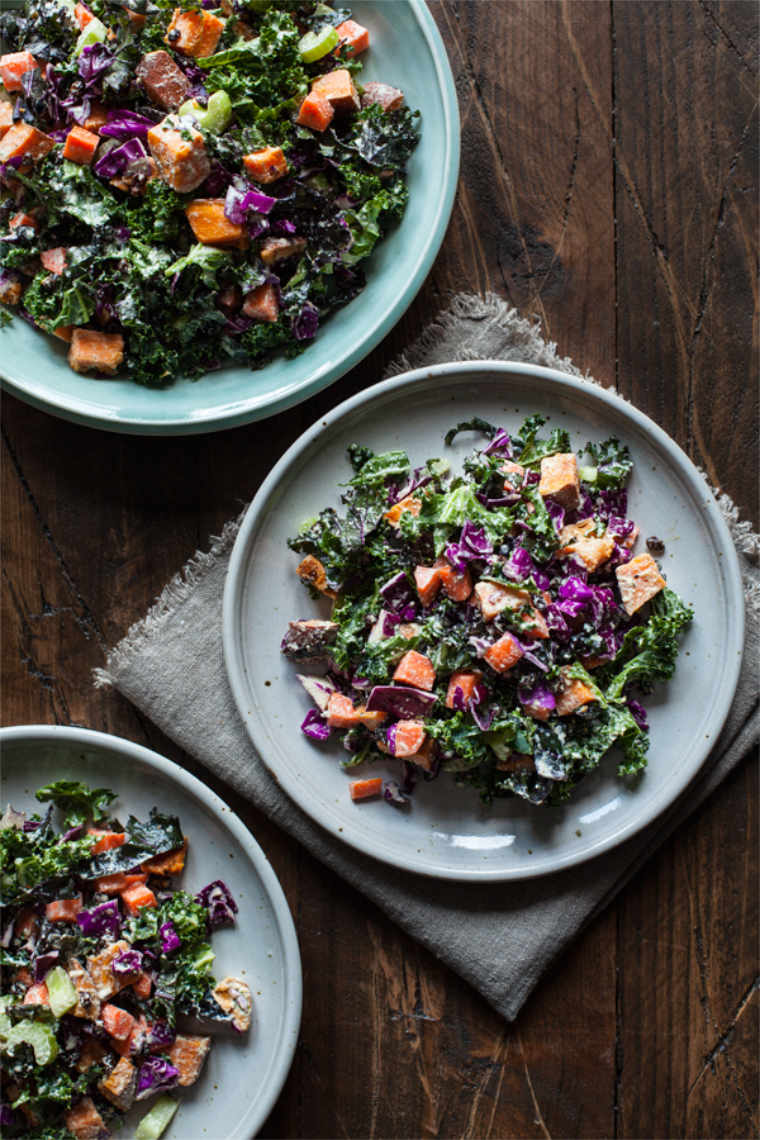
[(180, 154), (211, 226), (188, 1054), (382, 95), (316, 112), (338, 88), (262, 304), (170, 863), (6, 117), (80, 146), (504, 653), (415, 669), (410, 504), (573, 695), (85, 1122), (266, 165), (93, 351), (164, 80), (194, 33), (88, 1002), (559, 478), (100, 970), (278, 249), (10, 290), (354, 38), (120, 1085), (13, 66), (311, 571), (639, 581), (22, 140)]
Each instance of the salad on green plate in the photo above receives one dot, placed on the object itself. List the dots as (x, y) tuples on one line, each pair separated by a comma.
[(185, 188), (107, 990), (496, 624)]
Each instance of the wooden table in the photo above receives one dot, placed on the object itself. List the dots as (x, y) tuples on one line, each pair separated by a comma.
[(609, 162)]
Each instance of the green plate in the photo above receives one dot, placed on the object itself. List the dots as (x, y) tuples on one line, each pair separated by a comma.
[(406, 51)]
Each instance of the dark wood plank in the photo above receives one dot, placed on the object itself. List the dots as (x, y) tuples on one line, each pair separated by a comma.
[(648, 1026)]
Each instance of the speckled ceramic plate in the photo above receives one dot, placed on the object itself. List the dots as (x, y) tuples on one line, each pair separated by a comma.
[(448, 832), (242, 1077), (406, 51)]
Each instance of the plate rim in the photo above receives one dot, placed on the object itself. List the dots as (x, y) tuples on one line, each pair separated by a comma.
[(76, 410), (290, 1029), (493, 370)]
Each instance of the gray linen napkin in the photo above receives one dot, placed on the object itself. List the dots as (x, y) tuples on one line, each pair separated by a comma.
[(500, 937)]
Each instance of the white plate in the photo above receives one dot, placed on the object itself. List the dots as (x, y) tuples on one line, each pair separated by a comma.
[(447, 832), (242, 1077)]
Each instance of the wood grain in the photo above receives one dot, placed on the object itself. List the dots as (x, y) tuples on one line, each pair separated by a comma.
[(609, 188)]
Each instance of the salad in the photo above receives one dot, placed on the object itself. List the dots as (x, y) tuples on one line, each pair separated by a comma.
[(184, 187), (495, 624), (103, 960)]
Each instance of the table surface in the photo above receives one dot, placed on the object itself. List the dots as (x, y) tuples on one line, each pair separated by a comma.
[(609, 163)]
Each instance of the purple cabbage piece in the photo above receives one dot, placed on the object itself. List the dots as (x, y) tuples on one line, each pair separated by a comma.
[(610, 503), (539, 697), (403, 702), (127, 962), (161, 1035), (30, 825), (520, 566), (556, 513), (575, 590), (218, 180), (115, 162), (219, 903), (390, 739), (556, 624), (473, 543), (126, 125), (155, 1074), (73, 832), (500, 442), (392, 794), (313, 725), (620, 528), (482, 717), (306, 323), (80, 112), (397, 592), (101, 919), (638, 712), (94, 60), (390, 621), (283, 226), (45, 963), (170, 940), (242, 199)]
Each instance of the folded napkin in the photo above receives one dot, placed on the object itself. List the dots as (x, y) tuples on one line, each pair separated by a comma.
[(502, 936)]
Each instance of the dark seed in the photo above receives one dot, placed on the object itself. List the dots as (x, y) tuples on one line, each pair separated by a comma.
[(655, 545), (173, 35)]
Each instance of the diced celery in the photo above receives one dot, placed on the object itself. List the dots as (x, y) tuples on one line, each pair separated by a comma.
[(217, 114), (5, 1021), (61, 991), (94, 33), (204, 958), (41, 1038), (154, 1122), (314, 45), (587, 474), (190, 107)]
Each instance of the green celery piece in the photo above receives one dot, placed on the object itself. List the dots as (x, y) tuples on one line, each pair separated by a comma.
[(5, 1021), (217, 114), (94, 33), (157, 1119), (61, 991), (41, 1038), (315, 45), (587, 474), (190, 107)]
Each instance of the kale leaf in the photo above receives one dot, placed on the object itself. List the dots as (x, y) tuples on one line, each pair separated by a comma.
[(77, 801)]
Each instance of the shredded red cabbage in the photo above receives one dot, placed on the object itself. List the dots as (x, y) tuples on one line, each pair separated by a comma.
[(314, 726), (217, 899), (101, 919), (155, 1074)]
